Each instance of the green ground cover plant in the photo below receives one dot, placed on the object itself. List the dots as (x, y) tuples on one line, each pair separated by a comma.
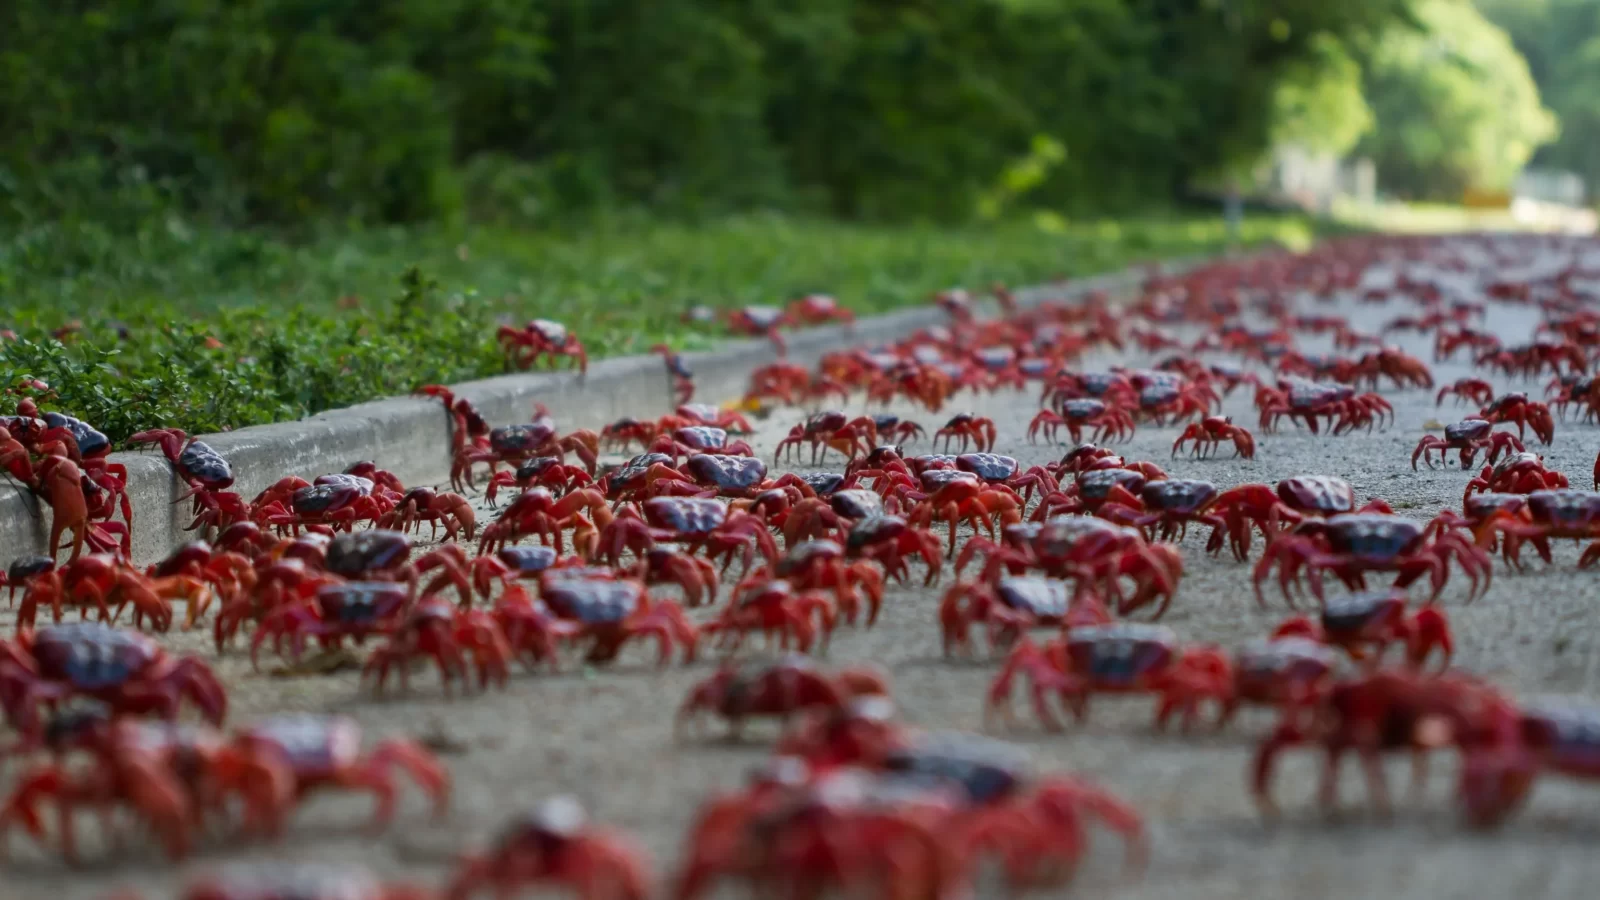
[(208, 330)]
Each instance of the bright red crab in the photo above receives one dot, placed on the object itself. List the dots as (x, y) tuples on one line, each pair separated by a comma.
[(953, 497), (820, 565), (1165, 509), (517, 444), (1553, 735), (206, 473), (775, 607), (324, 751), (610, 611), (1093, 551), (1365, 624), (1473, 390), (1212, 432), (1518, 473), (1106, 422), (1353, 544), (1310, 401), (434, 629), (536, 511), (1468, 437), (1010, 606), (357, 610), (967, 427), (1516, 408), (706, 414), (817, 309), (830, 430), (1004, 471), (335, 502), (541, 471), (1258, 506), (625, 431), (889, 540), (759, 321), (697, 523), (694, 439), (678, 371), (1090, 491), (1545, 515), (1116, 659), (792, 684), (123, 669), (554, 845), (541, 339)]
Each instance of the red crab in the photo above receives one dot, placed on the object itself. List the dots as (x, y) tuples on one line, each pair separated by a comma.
[(678, 370), (820, 565), (540, 338), (323, 751), (420, 505), (1213, 431), (519, 443), (831, 430), (1171, 504), (980, 431), (894, 429), (1005, 471), (1392, 363), (1107, 422), (954, 496), (334, 501), (206, 473), (1012, 605), (699, 524), (554, 845), (1121, 658), (123, 669), (1518, 473), (1385, 711), (1292, 501), (1288, 673), (1556, 735), (536, 511), (1545, 515), (625, 431), (759, 321), (611, 611), (775, 607), (1352, 544), (694, 439), (817, 309), (1365, 624), (1168, 401), (1467, 436), (1090, 491), (706, 414), (1473, 390), (1309, 401), (434, 629), (1092, 550), (357, 610), (792, 684), (541, 471), (889, 540), (1516, 407)]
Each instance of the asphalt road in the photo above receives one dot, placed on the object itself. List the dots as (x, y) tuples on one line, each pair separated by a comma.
[(605, 735)]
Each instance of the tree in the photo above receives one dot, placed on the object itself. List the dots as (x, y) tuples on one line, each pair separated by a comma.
[(1455, 104)]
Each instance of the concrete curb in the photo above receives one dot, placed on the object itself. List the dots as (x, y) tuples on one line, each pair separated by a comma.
[(410, 436)]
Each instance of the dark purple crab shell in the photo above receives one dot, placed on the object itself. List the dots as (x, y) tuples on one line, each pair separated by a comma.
[(824, 484), (205, 465), (1566, 729), (1178, 495), (1481, 506), (856, 504), (927, 355), (885, 421), (727, 473), (1043, 598), (536, 467), (1499, 404), (986, 770), (1320, 494), (1307, 396), (92, 656), (528, 560), (1035, 367), (1564, 507), (934, 479), (1080, 409), (1096, 484), (523, 438), (362, 486), (961, 419), (1372, 537), (1096, 384), (827, 420), (993, 358), (933, 461), (91, 442), (322, 498), (701, 437), (761, 316), (804, 553), (874, 530), (1467, 430), (688, 516), (1019, 534), (636, 467), (311, 744), (355, 554), (1523, 460), (1157, 395), (592, 601), (24, 567), (1288, 659), (361, 602), (991, 467), (1352, 613), (1123, 653)]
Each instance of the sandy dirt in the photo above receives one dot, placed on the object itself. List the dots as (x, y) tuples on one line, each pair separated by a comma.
[(606, 736)]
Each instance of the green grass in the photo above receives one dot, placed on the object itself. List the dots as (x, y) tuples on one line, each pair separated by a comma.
[(339, 319)]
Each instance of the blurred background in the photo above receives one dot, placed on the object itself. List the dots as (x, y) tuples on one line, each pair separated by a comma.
[(279, 112)]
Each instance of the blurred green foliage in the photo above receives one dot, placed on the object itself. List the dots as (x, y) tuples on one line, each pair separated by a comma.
[(1455, 105), (283, 111)]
